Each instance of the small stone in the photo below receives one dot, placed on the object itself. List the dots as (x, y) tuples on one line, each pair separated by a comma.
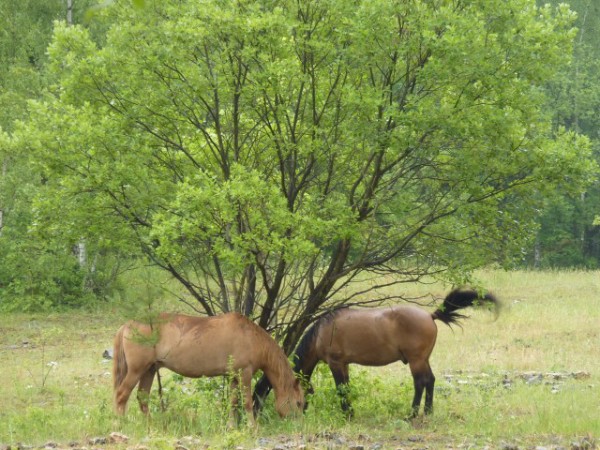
[(581, 375), (98, 441), (117, 438)]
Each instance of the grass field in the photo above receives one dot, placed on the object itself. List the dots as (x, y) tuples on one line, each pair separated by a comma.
[(530, 378)]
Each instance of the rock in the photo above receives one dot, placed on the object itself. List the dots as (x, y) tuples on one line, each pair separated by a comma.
[(189, 441), (581, 375), (108, 354), (587, 443), (117, 438), (534, 378), (98, 441)]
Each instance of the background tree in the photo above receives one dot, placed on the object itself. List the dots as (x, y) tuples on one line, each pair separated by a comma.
[(569, 236), (35, 272), (269, 154)]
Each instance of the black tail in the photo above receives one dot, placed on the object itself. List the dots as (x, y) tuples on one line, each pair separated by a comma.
[(462, 298)]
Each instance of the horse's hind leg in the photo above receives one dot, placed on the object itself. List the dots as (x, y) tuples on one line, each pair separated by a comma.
[(144, 386), (341, 377), (123, 392), (429, 392), (423, 380)]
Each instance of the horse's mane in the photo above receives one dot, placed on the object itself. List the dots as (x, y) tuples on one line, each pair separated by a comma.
[(274, 355), (306, 343)]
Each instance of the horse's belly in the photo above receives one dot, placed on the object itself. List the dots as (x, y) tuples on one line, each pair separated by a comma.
[(367, 353), (377, 359), (201, 361)]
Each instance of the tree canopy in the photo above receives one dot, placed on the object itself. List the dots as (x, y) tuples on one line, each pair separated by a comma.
[(269, 154)]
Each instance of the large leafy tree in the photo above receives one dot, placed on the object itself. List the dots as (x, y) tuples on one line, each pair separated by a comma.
[(270, 154)]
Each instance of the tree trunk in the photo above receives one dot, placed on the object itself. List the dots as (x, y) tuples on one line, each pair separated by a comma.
[(4, 168), (70, 12)]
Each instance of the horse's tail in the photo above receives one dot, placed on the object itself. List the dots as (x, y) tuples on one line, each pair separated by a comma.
[(119, 360), (462, 298)]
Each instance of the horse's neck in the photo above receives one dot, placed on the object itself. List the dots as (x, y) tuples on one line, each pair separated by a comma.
[(306, 363)]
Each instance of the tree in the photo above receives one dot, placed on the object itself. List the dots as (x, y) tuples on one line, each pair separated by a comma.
[(269, 155), (34, 273), (569, 236)]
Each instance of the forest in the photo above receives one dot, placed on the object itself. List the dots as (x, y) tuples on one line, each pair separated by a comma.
[(267, 155)]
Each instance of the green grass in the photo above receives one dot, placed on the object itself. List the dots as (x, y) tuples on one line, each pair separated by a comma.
[(55, 386)]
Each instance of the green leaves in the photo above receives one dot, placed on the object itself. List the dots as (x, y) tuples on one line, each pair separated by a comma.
[(265, 153)]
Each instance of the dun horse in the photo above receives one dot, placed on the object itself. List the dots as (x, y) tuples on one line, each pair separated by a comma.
[(377, 337), (202, 346)]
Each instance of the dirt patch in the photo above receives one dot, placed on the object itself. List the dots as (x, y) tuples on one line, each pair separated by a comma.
[(325, 441)]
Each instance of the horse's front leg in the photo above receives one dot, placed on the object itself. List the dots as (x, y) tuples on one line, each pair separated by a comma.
[(341, 376), (234, 413), (243, 381), (246, 379)]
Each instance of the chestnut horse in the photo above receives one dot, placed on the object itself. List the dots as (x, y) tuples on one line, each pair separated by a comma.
[(202, 346), (380, 336)]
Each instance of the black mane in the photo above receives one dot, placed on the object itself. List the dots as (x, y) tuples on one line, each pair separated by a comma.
[(307, 341)]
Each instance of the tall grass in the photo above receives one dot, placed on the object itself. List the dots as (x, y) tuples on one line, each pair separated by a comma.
[(493, 383)]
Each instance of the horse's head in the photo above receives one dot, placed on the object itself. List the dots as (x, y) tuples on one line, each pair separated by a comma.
[(292, 401)]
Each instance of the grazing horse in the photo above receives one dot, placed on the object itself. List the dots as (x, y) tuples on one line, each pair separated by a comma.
[(202, 346), (380, 336)]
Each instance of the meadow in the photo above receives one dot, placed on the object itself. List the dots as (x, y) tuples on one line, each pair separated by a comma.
[(529, 379)]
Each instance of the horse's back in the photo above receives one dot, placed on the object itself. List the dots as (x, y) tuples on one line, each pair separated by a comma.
[(376, 336), (207, 346)]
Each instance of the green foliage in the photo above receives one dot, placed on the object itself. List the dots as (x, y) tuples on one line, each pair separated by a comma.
[(568, 236), (266, 153), (36, 272)]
